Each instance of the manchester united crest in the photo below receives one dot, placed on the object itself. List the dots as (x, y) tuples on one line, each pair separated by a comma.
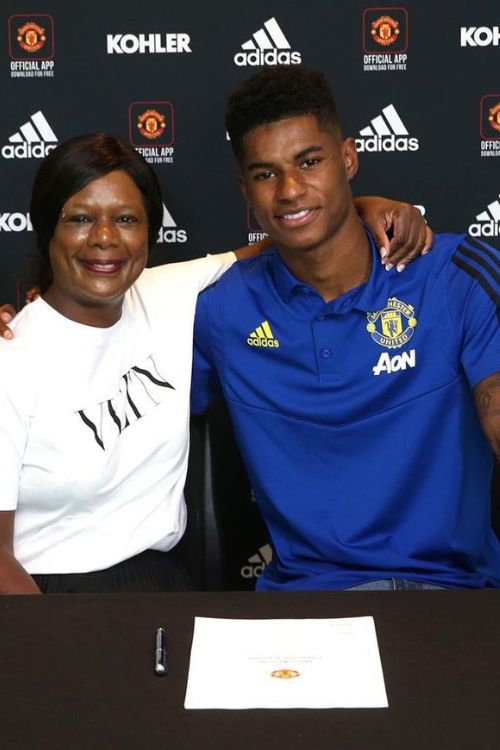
[(151, 124), (494, 116), (31, 37), (385, 30), (393, 326)]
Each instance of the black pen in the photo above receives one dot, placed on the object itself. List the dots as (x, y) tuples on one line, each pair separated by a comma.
[(161, 663)]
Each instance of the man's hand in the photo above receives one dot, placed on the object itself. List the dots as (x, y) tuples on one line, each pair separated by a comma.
[(398, 228), (7, 312)]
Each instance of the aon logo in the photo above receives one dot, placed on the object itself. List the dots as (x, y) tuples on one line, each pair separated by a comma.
[(389, 364)]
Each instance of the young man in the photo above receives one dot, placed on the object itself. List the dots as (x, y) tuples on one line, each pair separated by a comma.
[(360, 399)]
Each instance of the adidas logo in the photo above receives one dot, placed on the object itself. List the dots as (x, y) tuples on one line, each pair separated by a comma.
[(263, 336), (35, 139), (168, 231), (257, 562), (268, 46), (487, 222), (386, 133)]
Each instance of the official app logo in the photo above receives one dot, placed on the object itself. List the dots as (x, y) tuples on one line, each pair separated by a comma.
[(169, 231), (393, 326), (151, 124), (31, 37), (387, 132), (268, 46), (34, 139), (489, 124), (385, 39), (152, 131), (255, 231), (487, 222), (31, 45)]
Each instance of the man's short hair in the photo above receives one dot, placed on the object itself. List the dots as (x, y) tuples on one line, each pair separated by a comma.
[(276, 93)]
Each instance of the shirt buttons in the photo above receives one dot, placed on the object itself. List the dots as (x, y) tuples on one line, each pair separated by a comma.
[(305, 290), (326, 353)]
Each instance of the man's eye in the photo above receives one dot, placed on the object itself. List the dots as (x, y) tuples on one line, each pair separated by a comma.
[(310, 162), (264, 175)]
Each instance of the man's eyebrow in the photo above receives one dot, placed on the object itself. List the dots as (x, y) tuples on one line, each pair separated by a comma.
[(300, 155)]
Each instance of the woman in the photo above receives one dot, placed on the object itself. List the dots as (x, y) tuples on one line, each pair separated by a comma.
[(94, 389)]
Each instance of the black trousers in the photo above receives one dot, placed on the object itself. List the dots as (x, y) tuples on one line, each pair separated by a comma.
[(151, 571)]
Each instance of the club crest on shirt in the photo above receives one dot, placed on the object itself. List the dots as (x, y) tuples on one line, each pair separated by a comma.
[(393, 326)]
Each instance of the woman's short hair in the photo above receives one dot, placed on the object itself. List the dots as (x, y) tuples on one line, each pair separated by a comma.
[(69, 168)]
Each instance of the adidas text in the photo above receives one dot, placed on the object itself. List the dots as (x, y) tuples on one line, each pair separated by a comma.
[(16, 222), (252, 571), (390, 364), (269, 57), (263, 342), (387, 143), (479, 36), (172, 235), (27, 150), (485, 229), (131, 44)]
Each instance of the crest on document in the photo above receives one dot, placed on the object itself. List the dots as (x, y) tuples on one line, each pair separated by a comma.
[(285, 674), (393, 326)]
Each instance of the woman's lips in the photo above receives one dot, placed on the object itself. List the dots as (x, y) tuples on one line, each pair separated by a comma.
[(102, 266)]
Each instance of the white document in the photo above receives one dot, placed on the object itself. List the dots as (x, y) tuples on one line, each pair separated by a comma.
[(310, 663)]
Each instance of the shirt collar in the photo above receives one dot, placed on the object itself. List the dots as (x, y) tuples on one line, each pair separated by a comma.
[(370, 296)]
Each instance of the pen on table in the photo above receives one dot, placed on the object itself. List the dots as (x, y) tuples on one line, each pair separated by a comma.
[(161, 663)]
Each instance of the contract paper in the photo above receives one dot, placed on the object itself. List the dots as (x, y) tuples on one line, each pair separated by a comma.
[(303, 663)]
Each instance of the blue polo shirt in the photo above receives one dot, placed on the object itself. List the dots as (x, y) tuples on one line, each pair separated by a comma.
[(356, 418)]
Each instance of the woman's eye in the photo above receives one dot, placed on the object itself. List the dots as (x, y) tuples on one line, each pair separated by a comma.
[(127, 219), (79, 219)]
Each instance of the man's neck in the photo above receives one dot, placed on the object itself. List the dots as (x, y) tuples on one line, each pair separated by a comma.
[(336, 267)]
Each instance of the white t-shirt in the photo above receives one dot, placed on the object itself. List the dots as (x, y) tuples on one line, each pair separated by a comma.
[(94, 424)]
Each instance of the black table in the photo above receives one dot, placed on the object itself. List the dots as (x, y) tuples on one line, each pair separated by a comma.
[(76, 672)]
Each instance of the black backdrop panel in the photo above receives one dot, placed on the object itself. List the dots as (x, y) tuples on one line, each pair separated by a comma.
[(417, 84)]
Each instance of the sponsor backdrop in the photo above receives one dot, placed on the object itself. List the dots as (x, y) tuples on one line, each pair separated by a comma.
[(417, 84)]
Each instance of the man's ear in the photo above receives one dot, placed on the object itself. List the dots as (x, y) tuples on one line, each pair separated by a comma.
[(350, 156)]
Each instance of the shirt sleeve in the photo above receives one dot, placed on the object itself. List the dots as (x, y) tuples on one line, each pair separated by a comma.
[(205, 384), (214, 266), (473, 294)]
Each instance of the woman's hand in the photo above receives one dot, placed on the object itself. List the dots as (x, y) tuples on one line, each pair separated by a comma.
[(398, 228), (7, 312)]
